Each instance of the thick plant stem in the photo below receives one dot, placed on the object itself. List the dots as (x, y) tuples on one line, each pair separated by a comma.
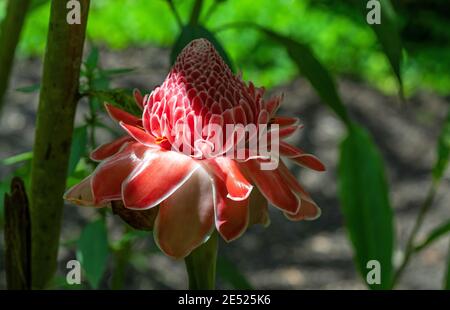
[(57, 104), (9, 38), (201, 265)]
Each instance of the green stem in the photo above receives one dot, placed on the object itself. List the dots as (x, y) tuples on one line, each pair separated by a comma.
[(92, 114), (54, 127), (410, 244), (195, 13), (175, 13), (9, 38), (121, 258), (201, 265), (210, 11)]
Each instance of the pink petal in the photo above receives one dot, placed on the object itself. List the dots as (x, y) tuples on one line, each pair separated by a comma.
[(139, 135), (186, 218), (138, 98), (290, 179), (232, 216), (238, 187), (300, 157), (284, 121), (81, 194), (109, 149), (287, 131), (272, 186), (108, 176), (282, 132), (309, 209), (157, 177), (273, 104), (122, 116)]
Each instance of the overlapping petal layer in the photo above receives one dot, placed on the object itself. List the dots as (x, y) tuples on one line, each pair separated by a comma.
[(161, 161)]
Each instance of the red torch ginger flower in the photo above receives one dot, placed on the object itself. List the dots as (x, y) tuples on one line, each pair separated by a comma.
[(177, 157)]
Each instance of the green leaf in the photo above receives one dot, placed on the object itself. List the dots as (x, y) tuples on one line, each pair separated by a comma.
[(59, 282), (435, 234), (363, 193), (37, 3), (192, 32), (121, 98), (129, 236), (100, 82), (228, 272), (388, 35), (117, 71), (29, 89), (93, 251), (82, 170), (92, 59), (77, 150), (443, 150), (17, 158), (313, 70)]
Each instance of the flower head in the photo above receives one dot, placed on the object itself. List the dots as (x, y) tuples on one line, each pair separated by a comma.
[(192, 154)]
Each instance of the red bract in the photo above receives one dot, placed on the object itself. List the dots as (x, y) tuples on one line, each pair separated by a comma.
[(165, 158)]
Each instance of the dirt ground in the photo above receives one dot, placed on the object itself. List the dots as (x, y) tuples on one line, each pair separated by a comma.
[(286, 255)]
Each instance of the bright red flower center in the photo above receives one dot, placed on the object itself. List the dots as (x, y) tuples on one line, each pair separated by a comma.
[(200, 95)]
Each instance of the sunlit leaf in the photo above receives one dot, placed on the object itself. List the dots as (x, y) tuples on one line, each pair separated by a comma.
[(363, 193), (192, 32), (78, 148), (93, 251), (313, 70), (17, 158), (388, 35)]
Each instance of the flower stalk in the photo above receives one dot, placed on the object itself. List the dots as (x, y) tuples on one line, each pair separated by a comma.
[(195, 14), (201, 265), (55, 118), (410, 244)]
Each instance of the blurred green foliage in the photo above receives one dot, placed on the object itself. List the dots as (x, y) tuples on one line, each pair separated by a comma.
[(336, 31)]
